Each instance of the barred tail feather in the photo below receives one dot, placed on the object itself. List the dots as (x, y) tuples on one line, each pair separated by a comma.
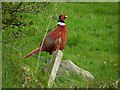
[(32, 53)]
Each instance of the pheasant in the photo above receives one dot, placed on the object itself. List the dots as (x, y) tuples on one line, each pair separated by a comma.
[(55, 40)]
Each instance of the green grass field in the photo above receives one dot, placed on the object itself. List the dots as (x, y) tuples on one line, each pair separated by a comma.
[(92, 44)]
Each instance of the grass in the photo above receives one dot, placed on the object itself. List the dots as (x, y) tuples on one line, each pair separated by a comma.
[(92, 45)]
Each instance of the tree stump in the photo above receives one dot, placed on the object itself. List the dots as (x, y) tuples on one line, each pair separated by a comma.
[(58, 67), (68, 65), (53, 66)]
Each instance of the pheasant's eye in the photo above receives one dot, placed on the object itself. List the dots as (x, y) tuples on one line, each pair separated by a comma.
[(63, 17)]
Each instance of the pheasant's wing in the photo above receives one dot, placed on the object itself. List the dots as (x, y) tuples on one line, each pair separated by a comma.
[(48, 44), (56, 36)]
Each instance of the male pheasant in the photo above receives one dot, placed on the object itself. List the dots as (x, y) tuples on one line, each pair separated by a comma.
[(55, 40)]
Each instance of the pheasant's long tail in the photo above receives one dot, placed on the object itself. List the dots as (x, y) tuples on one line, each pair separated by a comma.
[(32, 52)]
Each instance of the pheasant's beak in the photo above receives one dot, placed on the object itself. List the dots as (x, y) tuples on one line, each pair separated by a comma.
[(66, 16)]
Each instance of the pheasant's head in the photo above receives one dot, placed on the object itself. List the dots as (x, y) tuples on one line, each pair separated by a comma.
[(62, 17), (61, 20)]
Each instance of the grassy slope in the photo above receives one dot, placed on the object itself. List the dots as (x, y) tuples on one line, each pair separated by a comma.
[(92, 45)]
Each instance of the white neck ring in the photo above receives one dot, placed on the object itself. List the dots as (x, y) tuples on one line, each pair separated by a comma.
[(61, 23)]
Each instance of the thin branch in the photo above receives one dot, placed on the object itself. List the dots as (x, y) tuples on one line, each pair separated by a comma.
[(45, 36)]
